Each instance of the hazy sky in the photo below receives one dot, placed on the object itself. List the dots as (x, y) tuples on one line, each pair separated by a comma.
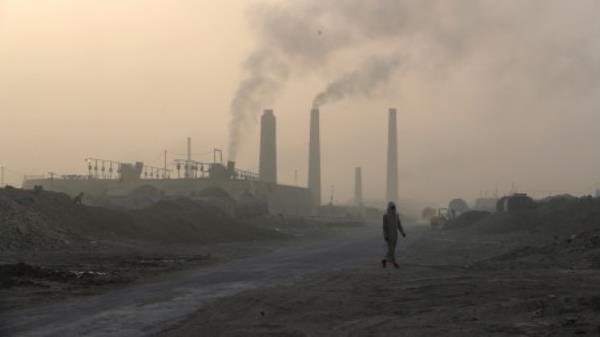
[(489, 93)]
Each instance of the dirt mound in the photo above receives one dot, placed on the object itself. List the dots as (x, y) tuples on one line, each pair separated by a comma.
[(560, 217), (30, 220), (48, 220), (193, 221)]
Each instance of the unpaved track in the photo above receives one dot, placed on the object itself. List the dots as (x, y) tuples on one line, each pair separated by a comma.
[(144, 309)]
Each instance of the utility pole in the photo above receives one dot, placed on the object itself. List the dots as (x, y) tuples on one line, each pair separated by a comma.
[(2, 176), (188, 163)]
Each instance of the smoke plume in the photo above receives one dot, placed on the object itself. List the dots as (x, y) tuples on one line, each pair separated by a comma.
[(363, 81), (265, 75), (514, 52)]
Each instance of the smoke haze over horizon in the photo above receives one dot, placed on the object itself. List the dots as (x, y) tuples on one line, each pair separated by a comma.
[(488, 93)]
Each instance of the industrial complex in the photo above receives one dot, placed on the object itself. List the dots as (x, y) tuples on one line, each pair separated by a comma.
[(111, 183)]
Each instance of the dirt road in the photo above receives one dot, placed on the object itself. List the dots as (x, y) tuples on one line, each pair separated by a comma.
[(449, 284), (147, 308)]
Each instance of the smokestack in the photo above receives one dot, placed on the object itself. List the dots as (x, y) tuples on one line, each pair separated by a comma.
[(188, 164), (392, 159), (358, 200), (267, 169), (314, 159)]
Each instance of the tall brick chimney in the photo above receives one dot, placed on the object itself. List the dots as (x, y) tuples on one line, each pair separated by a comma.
[(392, 159), (267, 169), (314, 159)]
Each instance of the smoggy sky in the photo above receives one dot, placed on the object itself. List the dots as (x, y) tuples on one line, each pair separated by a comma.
[(489, 93)]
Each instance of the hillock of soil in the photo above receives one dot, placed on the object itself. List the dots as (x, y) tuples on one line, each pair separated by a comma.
[(559, 217), (46, 220)]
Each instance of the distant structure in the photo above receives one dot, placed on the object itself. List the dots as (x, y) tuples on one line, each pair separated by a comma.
[(120, 184), (131, 172), (516, 201), (485, 204), (392, 159), (358, 198), (267, 169), (314, 159), (458, 206), (215, 183), (188, 169)]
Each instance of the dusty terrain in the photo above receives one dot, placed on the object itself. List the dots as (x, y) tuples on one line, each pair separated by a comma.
[(143, 308), (526, 273), (53, 249), (441, 295), (526, 278)]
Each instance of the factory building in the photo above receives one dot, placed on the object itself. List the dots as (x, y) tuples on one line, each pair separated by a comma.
[(138, 185), (112, 183)]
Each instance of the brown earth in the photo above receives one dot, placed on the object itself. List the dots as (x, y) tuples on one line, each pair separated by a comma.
[(52, 248), (48, 221), (536, 277), (526, 273)]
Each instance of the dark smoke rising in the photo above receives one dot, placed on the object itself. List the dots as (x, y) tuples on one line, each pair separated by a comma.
[(264, 77), (520, 54), (363, 81)]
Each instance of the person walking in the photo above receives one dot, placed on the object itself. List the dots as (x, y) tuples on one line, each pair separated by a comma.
[(391, 227)]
